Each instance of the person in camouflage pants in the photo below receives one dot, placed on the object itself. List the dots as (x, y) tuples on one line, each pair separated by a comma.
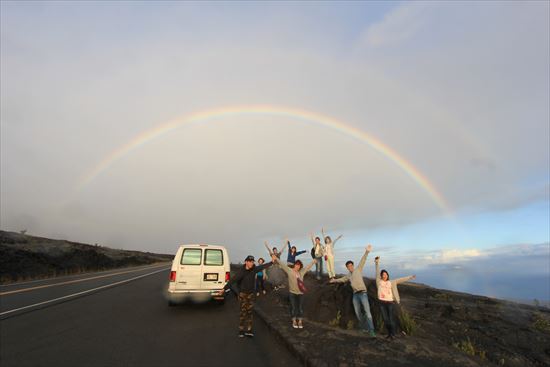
[(243, 285), (245, 317)]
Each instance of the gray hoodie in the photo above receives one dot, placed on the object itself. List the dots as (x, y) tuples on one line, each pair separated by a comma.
[(356, 277), (294, 275)]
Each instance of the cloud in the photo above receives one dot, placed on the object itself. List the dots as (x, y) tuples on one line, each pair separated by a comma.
[(446, 256), (467, 107), (399, 25)]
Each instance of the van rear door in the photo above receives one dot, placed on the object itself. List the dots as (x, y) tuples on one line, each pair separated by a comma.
[(189, 269), (213, 269)]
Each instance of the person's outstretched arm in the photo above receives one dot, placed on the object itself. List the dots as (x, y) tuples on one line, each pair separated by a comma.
[(343, 279), (337, 238), (259, 268), (306, 269), (404, 279), (282, 264), (268, 249), (312, 239), (364, 258), (301, 252), (376, 270)]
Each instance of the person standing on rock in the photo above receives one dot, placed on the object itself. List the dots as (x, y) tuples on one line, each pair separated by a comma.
[(329, 253), (317, 252), (360, 297), (260, 278), (296, 289), (243, 285), (274, 250), (276, 275), (388, 295), (292, 254)]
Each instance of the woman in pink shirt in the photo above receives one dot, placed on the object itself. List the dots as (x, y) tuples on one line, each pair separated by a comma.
[(388, 295)]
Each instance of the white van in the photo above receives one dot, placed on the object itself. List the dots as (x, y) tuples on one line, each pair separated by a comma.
[(199, 273)]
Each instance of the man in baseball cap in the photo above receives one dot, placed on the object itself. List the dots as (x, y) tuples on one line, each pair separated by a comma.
[(243, 284)]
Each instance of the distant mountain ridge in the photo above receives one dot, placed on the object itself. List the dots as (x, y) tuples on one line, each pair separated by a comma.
[(25, 257)]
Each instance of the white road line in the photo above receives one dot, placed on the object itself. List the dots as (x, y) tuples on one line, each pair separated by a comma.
[(80, 293), (62, 277), (28, 289)]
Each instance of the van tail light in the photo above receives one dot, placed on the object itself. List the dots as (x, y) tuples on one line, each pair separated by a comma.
[(172, 276), (227, 276)]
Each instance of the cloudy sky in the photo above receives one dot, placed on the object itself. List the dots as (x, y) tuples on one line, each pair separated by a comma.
[(437, 150)]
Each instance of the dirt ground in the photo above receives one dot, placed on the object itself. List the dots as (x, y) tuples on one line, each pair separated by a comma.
[(443, 328)]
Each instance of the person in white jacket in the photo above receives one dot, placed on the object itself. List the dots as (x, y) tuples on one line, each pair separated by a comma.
[(388, 295), (329, 253)]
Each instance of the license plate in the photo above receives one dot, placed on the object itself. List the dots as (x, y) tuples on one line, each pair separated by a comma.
[(211, 276)]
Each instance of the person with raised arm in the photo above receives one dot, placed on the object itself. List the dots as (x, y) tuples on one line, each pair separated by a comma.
[(388, 295), (329, 253), (292, 254), (296, 289), (317, 252), (273, 251), (261, 276), (360, 298), (243, 285)]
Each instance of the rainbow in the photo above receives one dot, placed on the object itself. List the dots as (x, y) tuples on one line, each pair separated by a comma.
[(293, 113)]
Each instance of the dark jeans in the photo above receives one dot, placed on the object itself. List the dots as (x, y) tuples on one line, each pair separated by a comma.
[(319, 267), (260, 286), (387, 314), (296, 305)]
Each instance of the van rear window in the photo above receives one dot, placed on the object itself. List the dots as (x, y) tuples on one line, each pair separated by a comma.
[(213, 257), (191, 256)]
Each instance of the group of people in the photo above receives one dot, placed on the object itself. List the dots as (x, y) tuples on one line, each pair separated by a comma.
[(250, 282)]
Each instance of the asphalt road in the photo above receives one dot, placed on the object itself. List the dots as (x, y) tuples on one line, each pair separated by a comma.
[(129, 324)]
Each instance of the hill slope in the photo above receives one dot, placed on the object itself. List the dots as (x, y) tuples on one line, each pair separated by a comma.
[(26, 257)]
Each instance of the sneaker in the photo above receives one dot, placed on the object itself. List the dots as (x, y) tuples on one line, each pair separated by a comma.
[(241, 334), (258, 294), (300, 325), (372, 333), (294, 324), (265, 292), (249, 333)]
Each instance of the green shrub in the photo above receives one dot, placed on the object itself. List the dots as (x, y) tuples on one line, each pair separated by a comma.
[(541, 323), (336, 321), (408, 325), (379, 322), (469, 348)]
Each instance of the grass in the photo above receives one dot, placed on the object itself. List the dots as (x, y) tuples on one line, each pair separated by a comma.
[(336, 321), (541, 323), (408, 325), (469, 348), (379, 322), (442, 297)]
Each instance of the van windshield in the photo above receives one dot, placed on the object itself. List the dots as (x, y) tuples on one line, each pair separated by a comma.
[(191, 256), (213, 257)]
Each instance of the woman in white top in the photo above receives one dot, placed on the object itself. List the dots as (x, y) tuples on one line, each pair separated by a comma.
[(387, 295), (329, 253)]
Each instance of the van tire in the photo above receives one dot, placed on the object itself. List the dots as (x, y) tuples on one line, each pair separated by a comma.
[(171, 304), (220, 302)]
